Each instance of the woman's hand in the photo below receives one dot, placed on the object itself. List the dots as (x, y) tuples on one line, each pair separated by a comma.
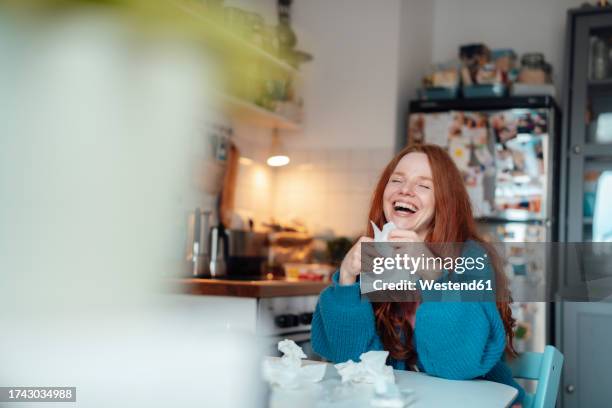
[(421, 249), (400, 235), (351, 265)]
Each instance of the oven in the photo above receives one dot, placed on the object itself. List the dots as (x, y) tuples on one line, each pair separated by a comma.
[(289, 317)]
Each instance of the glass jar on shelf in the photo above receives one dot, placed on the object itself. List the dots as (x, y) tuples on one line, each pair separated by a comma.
[(535, 69), (599, 58), (255, 23)]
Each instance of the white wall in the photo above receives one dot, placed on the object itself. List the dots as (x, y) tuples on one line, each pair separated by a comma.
[(369, 58), (350, 122), (524, 25), (370, 55), (350, 86), (415, 55), (351, 113), (329, 189)]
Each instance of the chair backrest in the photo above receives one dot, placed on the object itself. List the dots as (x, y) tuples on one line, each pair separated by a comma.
[(545, 368)]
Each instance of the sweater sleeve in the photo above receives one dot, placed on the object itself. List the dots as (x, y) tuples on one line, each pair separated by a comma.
[(343, 325), (465, 339), (459, 340)]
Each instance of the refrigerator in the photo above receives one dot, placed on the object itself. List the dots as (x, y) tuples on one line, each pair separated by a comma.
[(507, 150)]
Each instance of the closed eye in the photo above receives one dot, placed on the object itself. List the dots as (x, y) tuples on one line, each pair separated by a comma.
[(425, 186)]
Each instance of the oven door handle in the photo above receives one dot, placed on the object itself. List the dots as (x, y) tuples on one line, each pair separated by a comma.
[(297, 337)]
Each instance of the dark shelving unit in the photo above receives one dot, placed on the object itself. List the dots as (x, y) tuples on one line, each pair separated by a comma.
[(481, 104), (583, 327)]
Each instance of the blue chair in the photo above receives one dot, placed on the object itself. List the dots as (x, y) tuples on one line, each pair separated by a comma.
[(545, 368)]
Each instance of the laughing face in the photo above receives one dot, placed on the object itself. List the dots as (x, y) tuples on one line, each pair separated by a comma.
[(408, 200)]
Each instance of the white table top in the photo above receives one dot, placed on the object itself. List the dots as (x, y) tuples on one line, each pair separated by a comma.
[(428, 392)]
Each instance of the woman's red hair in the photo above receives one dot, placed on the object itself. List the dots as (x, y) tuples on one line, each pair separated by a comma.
[(452, 222)]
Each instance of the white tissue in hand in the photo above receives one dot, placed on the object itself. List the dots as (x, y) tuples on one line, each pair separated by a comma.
[(288, 372), (383, 236), (371, 368)]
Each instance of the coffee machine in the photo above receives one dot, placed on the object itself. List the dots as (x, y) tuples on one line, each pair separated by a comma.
[(207, 245), (218, 252)]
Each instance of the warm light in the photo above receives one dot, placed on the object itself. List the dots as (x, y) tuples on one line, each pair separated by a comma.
[(245, 161), (277, 161), (305, 166), (260, 177), (278, 157)]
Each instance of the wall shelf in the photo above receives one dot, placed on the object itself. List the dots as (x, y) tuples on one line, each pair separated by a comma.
[(227, 38), (597, 150), (600, 82), (228, 43), (257, 115)]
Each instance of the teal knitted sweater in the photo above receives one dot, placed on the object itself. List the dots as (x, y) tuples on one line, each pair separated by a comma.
[(454, 340)]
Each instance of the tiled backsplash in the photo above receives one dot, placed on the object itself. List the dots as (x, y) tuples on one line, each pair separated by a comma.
[(325, 189), (255, 191)]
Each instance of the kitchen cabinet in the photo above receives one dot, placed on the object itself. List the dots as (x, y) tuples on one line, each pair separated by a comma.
[(584, 329), (268, 310), (265, 288)]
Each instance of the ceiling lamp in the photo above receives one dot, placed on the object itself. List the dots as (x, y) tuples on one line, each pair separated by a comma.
[(278, 156)]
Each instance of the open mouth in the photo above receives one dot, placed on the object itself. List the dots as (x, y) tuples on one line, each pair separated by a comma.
[(406, 208)]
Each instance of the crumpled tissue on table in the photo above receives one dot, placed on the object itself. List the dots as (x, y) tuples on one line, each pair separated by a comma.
[(371, 368), (288, 371), (388, 395)]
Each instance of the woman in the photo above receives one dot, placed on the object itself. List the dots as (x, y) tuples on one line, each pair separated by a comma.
[(422, 192)]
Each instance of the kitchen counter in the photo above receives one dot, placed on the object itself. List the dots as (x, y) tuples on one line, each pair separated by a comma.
[(254, 288)]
